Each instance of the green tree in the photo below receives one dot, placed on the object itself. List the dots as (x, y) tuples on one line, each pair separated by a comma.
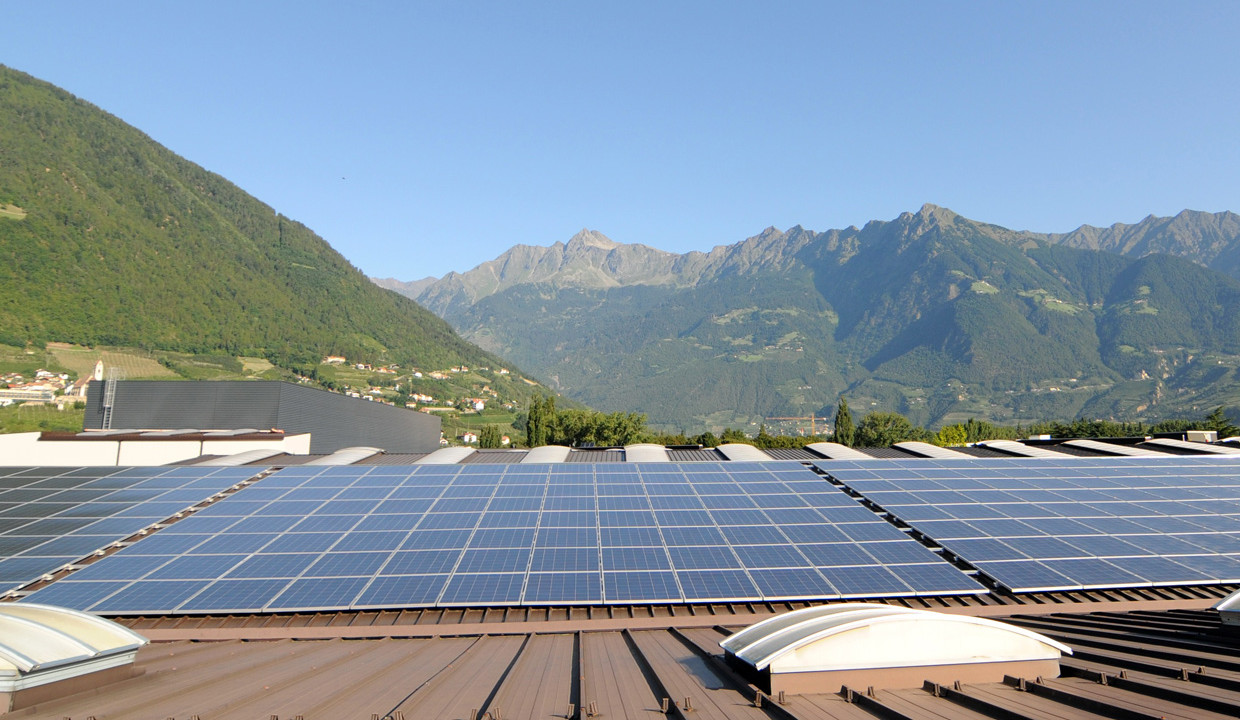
[(535, 429), (881, 429), (489, 437), (951, 436), (706, 439), (1217, 421), (845, 432), (732, 435)]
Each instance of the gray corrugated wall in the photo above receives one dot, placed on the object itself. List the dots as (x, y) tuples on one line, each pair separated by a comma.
[(334, 421)]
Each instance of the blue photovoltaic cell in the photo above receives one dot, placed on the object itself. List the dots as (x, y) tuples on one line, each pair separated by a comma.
[(719, 585), (319, 593), (481, 589), (403, 590), (792, 582), (387, 536), (1049, 524), (562, 588), (50, 517), (233, 595)]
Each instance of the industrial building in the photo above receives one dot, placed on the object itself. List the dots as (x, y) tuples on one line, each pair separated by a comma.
[(1041, 580), (333, 421)]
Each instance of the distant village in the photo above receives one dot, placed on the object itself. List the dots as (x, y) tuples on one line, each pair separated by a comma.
[(45, 388), (423, 402)]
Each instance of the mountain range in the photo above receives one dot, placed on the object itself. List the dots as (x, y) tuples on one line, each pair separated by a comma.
[(931, 314)]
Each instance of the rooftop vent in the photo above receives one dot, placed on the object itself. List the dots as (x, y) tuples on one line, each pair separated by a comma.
[(820, 649), (48, 652)]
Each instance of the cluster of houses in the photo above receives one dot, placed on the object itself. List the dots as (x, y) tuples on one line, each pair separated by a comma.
[(421, 401), (45, 388), (471, 438)]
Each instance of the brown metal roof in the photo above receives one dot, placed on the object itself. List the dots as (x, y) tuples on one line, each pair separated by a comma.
[(1178, 664)]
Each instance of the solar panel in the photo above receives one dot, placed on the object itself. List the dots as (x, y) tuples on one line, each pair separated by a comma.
[(1040, 524), (50, 517), (310, 538)]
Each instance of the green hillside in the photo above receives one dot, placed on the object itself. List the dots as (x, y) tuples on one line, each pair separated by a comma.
[(107, 238)]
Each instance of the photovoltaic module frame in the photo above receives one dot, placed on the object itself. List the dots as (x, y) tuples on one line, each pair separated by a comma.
[(1046, 524), (354, 537)]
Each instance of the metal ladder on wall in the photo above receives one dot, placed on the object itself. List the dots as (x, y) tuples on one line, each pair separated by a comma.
[(109, 395)]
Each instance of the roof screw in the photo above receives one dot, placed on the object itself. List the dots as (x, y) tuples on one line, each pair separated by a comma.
[(1201, 669), (593, 708), (664, 706), (1102, 678), (1040, 681), (757, 700), (374, 716), (571, 709), (1123, 675), (1020, 685), (1184, 674), (957, 686), (783, 700), (688, 703), (473, 715)]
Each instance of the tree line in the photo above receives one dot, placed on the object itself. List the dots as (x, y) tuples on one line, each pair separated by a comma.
[(543, 424)]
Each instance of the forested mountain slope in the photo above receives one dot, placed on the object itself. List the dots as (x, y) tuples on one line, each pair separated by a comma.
[(931, 314), (106, 237)]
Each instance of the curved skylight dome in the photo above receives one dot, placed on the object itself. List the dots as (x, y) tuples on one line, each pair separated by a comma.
[(861, 636), (1229, 608), (41, 644)]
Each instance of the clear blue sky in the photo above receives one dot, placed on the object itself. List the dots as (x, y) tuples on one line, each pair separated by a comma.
[(424, 137)]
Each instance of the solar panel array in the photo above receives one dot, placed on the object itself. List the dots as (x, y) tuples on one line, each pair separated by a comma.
[(1058, 524), (53, 516), (311, 538)]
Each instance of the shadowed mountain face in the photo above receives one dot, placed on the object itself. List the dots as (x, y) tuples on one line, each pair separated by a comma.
[(930, 314), (108, 238)]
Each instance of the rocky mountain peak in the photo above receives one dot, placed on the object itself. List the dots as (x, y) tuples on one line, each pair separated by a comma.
[(586, 238)]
